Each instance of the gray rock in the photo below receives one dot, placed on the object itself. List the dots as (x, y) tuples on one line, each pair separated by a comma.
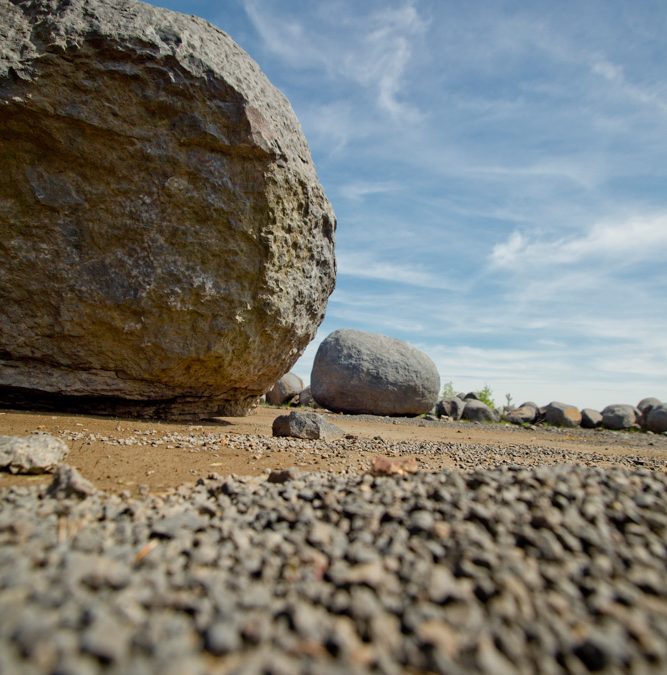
[(590, 419), (562, 415), (68, 482), (305, 425), (450, 407), (645, 406), (161, 209), (39, 453), (472, 396), (285, 389), (478, 411), (306, 398), (358, 372), (657, 419), (620, 416), (524, 414)]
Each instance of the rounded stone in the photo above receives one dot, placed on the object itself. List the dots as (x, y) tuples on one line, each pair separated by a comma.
[(657, 419), (590, 419), (620, 416), (359, 372), (562, 415), (478, 411), (285, 389), (167, 247)]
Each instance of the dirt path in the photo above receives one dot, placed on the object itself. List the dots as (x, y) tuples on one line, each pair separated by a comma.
[(124, 454)]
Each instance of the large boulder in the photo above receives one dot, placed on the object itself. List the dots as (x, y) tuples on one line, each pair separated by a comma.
[(166, 245), (657, 419), (562, 414), (285, 389), (620, 416), (358, 372), (478, 411)]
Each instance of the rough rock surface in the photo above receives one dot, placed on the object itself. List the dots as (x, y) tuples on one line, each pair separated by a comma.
[(306, 425), (562, 415), (450, 407), (478, 411), (39, 453), (590, 419), (620, 416), (285, 389), (358, 372), (166, 245)]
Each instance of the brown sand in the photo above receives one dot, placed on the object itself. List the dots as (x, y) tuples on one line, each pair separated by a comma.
[(163, 455)]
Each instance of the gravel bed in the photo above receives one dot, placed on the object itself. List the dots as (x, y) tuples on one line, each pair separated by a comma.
[(517, 569), (353, 454)]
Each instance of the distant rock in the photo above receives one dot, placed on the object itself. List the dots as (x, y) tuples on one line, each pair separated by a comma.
[(620, 416), (39, 453), (358, 372), (645, 406), (657, 419), (450, 407), (167, 247), (306, 398), (478, 411), (590, 419), (307, 425), (562, 414), (68, 482), (285, 389), (524, 414)]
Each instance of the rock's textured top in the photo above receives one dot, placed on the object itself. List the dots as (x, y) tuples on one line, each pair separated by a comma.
[(39, 453), (164, 237), (358, 372)]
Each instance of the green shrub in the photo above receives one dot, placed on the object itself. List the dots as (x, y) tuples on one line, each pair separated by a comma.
[(486, 396)]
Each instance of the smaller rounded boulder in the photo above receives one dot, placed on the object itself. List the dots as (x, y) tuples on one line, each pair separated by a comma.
[(358, 372), (285, 389)]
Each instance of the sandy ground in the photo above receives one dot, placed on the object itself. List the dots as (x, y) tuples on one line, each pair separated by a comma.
[(121, 454)]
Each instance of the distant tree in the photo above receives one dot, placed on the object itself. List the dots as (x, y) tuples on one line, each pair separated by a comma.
[(486, 396), (448, 391)]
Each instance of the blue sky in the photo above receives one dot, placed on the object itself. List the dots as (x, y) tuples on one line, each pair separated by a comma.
[(499, 174)]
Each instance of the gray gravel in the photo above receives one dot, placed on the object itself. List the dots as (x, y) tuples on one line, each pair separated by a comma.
[(549, 569)]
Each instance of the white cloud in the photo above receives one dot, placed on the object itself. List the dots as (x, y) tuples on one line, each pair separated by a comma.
[(626, 242), (367, 266), (373, 53), (359, 190)]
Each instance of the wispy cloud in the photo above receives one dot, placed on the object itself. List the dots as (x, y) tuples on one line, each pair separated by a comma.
[(357, 191), (630, 241), (368, 266), (375, 55)]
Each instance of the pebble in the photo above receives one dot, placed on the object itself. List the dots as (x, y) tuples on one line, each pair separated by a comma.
[(509, 569)]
